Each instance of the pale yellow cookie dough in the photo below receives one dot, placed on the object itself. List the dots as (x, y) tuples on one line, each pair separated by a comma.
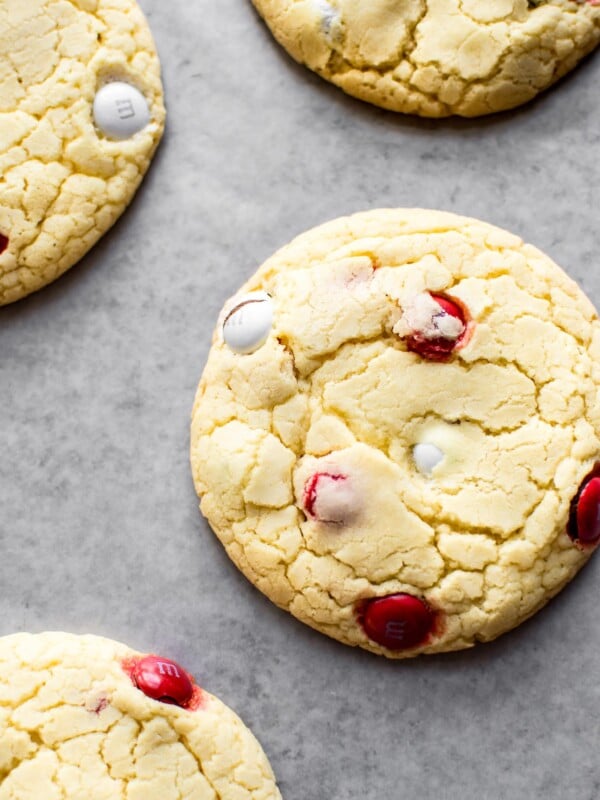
[(72, 725), (63, 183), (515, 413), (437, 57)]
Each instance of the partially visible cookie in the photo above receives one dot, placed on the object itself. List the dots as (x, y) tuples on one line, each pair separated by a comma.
[(85, 718), (437, 57), (81, 114), (397, 433)]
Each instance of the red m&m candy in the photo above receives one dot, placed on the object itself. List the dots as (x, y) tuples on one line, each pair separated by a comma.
[(397, 622), (3, 243), (310, 489), (440, 347), (163, 679), (584, 521)]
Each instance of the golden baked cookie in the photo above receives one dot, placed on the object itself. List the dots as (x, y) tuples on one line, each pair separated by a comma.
[(85, 718), (437, 57), (81, 114), (396, 435)]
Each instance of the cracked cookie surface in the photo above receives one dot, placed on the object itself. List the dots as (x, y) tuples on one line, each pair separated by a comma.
[(417, 423), (436, 58), (63, 182), (73, 725)]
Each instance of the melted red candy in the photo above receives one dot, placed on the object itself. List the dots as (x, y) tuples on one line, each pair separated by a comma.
[(100, 704), (164, 680), (311, 488), (584, 521), (398, 622), (3, 243), (439, 349)]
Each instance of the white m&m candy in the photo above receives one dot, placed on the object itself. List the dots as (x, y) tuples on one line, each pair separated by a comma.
[(329, 15), (427, 456), (120, 110), (248, 324)]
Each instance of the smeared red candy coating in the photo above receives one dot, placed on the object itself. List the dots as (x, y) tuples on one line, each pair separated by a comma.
[(311, 486), (398, 621), (3, 243), (440, 349), (584, 519), (100, 704), (164, 680), (310, 489)]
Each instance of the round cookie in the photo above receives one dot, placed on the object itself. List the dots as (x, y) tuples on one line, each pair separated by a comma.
[(402, 449), (437, 57), (78, 720), (72, 149)]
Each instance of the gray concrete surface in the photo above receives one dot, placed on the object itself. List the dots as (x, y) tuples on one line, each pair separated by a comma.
[(99, 527)]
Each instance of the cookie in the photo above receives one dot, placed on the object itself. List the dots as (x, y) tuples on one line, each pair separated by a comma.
[(437, 57), (81, 114), (396, 435), (86, 718)]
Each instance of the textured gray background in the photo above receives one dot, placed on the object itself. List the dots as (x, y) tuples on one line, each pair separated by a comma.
[(99, 527)]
